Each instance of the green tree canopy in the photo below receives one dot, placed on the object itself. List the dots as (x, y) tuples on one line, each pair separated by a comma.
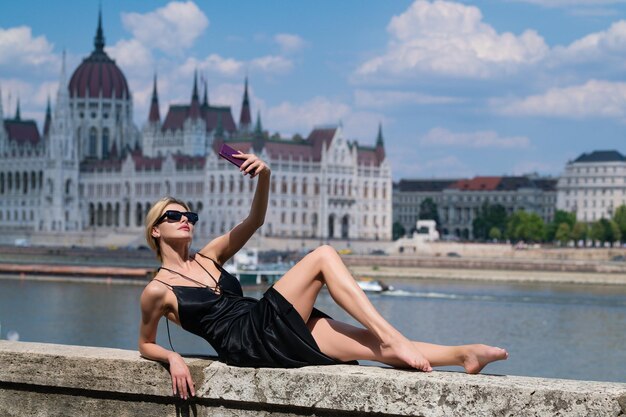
[(560, 217), (563, 233), (489, 217), (579, 232), (528, 227), (620, 219), (397, 231)]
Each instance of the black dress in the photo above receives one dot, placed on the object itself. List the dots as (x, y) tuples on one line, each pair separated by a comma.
[(247, 332)]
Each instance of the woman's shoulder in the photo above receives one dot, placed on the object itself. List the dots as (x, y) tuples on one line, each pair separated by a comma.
[(154, 291)]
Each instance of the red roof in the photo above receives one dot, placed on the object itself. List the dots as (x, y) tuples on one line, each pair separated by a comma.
[(318, 137), (185, 161), (367, 157), (177, 114), (22, 131), (286, 149), (145, 163), (477, 184), (98, 73)]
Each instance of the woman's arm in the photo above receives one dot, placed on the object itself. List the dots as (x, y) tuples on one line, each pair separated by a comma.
[(224, 247), (152, 307)]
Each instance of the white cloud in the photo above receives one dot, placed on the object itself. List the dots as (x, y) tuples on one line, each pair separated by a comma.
[(289, 42), (409, 164), (595, 98), (298, 118), (19, 48), (170, 28), (382, 99), (272, 64), (481, 139), (230, 67), (598, 46), (451, 39), (215, 64), (132, 56)]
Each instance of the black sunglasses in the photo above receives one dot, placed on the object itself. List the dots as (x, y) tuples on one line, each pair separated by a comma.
[(177, 215)]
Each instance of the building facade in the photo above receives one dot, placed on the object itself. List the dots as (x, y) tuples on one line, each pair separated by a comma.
[(593, 185), (459, 201), (92, 169)]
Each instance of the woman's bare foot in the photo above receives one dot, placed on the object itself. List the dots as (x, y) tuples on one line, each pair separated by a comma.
[(406, 354), (476, 357)]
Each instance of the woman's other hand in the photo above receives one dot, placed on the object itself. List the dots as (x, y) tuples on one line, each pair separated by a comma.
[(252, 164), (182, 384)]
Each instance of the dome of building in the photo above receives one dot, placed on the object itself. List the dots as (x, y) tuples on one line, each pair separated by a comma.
[(98, 74)]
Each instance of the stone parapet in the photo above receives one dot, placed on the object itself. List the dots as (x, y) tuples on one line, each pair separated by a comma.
[(57, 380)]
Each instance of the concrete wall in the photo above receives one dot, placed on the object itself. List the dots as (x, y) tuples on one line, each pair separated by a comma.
[(39, 379)]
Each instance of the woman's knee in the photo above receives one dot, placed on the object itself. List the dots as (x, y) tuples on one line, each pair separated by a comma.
[(325, 253)]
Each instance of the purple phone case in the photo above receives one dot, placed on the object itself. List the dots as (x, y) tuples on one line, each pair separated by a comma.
[(227, 153)]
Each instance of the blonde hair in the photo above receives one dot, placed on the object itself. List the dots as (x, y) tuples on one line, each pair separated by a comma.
[(155, 212)]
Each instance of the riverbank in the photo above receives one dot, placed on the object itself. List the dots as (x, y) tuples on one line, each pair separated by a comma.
[(489, 275), (131, 265)]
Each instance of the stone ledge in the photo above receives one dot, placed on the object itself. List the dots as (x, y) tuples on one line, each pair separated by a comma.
[(57, 379)]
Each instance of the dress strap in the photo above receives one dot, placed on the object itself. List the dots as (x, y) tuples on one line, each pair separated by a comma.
[(162, 282), (184, 276), (210, 259), (217, 284)]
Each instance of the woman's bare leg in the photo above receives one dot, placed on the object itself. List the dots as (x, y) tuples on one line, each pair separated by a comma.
[(302, 283), (346, 342)]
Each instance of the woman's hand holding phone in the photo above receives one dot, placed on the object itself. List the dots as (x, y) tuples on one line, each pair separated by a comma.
[(248, 163)]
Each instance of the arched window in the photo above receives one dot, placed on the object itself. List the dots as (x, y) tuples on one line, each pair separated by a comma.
[(1, 182), (33, 180), (211, 184), (17, 182), (294, 186), (93, 146), (304, 189), (105, 142)]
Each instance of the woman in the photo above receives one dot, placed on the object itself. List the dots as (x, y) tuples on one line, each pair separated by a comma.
[(282, 329)]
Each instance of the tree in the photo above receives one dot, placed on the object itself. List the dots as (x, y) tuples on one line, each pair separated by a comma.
[(428, 211), (397, 231), (560, 217), (563, 233), (528, 227), (596, 232), (579, 232), (620, 219), (495, 233), (489, 216)]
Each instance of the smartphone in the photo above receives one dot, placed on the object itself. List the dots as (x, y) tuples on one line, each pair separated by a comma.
[(227, 153)]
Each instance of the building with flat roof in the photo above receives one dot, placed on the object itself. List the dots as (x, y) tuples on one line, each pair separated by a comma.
[(593, 185)]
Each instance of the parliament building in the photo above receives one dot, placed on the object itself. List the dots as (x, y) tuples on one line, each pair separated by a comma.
[(92, 170)]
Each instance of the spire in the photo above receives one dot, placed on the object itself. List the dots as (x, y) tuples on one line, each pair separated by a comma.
[(98, 41), (194, 111), (17, 110), (48, 120), (380, 146), (245, 120), (379, 138), (154, 115), (205, 100), (258, 139)]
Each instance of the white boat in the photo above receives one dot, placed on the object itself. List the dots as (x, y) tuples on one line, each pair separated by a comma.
[(373, 285)]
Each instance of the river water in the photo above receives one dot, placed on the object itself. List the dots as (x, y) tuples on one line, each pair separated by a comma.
[(556, 331)]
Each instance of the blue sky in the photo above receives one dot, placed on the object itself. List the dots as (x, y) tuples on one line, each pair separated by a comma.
[(493, 87)]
